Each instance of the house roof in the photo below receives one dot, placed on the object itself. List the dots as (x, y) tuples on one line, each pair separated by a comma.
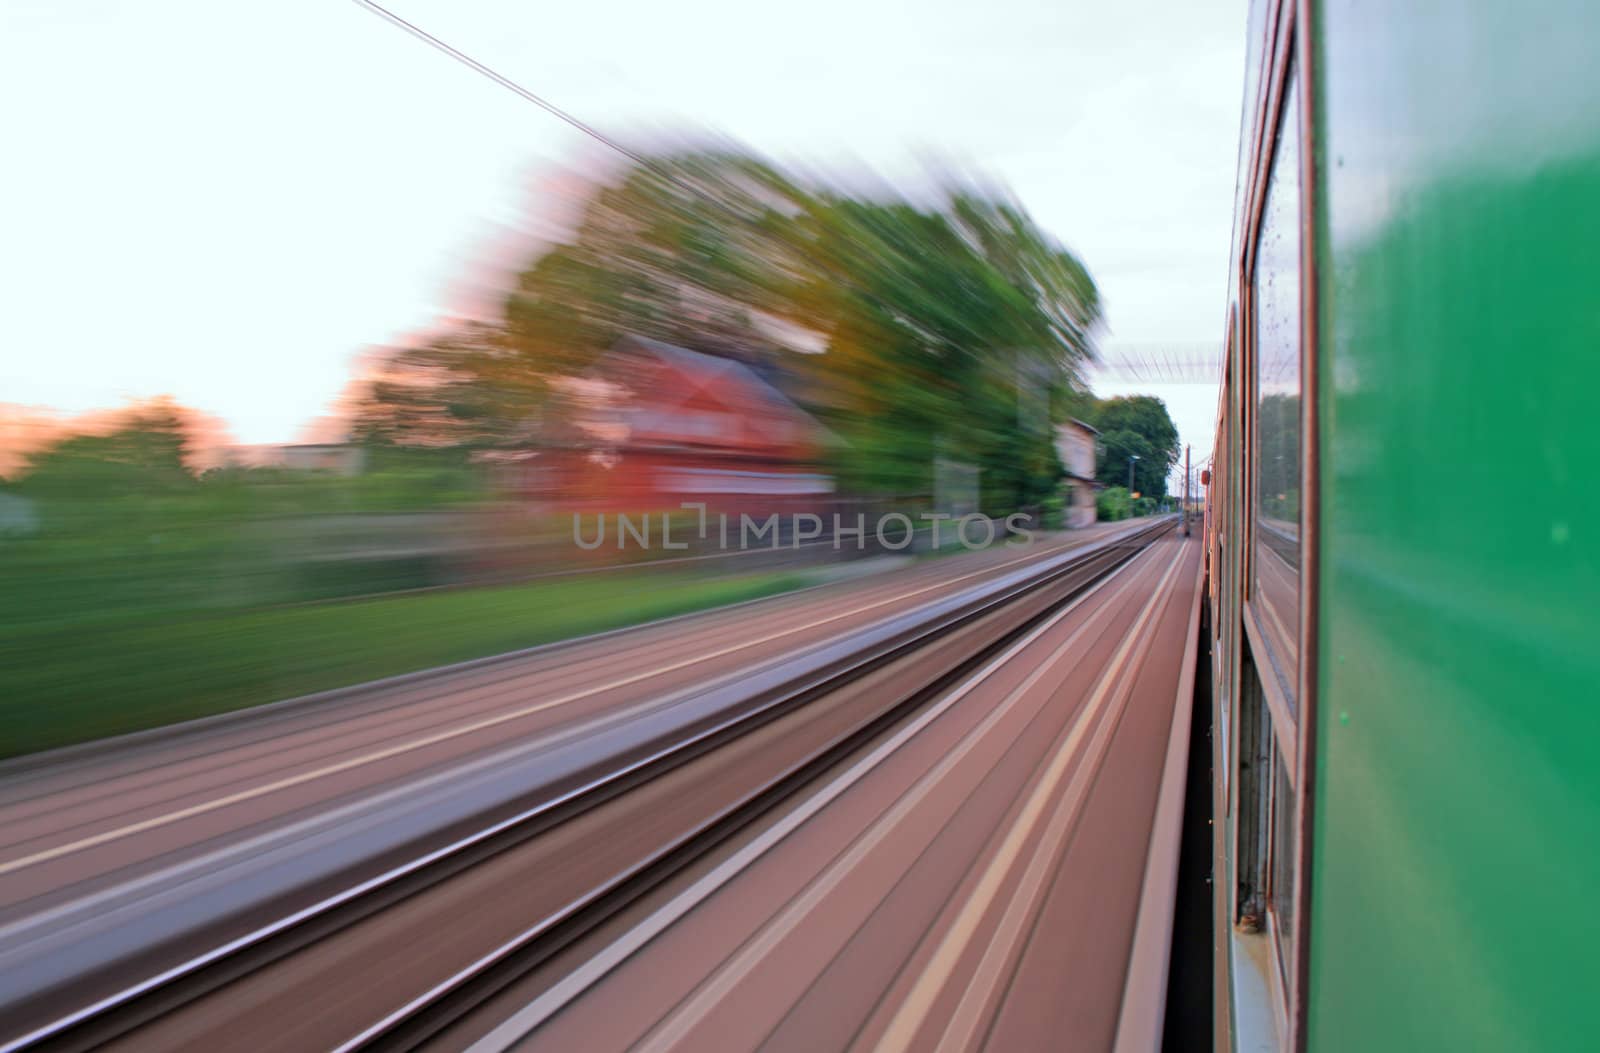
[(716, 366), (711, 365)]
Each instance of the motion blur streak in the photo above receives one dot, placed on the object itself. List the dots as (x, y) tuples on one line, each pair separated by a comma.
[(682, 636), (763, 345)]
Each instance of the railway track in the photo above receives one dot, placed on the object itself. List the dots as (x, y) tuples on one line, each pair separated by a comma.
[(598, 839), (994, 872)]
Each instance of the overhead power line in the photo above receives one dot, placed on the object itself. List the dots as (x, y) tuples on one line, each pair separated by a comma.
[(512, 86), (651, 165), (1137, 369)]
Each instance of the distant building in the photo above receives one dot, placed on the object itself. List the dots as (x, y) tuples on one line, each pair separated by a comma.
[(1075, 443), (668, 425), (334, 458), (337, 458)]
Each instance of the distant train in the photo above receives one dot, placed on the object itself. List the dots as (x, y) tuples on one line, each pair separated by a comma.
[(1403, 534)]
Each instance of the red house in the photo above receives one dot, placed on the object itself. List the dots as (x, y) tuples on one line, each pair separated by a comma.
[(672, 425)]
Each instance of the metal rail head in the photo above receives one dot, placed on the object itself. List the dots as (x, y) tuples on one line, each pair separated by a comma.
[(741, 703)]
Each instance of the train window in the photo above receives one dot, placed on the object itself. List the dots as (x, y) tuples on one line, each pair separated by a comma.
[(1265, 865), (1275, 283), (1253, 801), (1282, 888)]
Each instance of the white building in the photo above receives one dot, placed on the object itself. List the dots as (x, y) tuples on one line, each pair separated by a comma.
[(1075, 443), (335, 458)]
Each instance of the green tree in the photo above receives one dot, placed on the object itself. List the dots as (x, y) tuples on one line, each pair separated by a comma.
[(1112, 504), (1136, 425), (467, 388), (143, 454), (940, 323), (686, 249)]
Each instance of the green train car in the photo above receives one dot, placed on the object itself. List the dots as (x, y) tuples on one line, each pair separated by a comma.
[(1403, 531)]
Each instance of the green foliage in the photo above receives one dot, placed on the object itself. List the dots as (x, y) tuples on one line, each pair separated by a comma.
[(1112, 504), (650, 257), (114, 675), (941, 322), (145, 594), (1279, 459), (124, 529), (1018, 470), (463, 390), (950, 328), (144, 455), (1054, 509), (1136, 425)]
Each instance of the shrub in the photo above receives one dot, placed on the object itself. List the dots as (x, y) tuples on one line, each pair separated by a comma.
[(1112, 504)]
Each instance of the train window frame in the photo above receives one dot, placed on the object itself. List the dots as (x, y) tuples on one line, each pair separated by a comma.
[(1223, 528), (1285, 724), (1282, 839), (1282, 947), (1238, 522), (1262, 758), (1285, 106), (1255, 747), (1259, 809)]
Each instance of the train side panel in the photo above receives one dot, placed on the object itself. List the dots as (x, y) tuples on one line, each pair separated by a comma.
[(1456, 855)]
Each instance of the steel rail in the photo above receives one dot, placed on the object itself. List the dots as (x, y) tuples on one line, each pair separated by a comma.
[(737, 709), (505, 963), (509, 1032)]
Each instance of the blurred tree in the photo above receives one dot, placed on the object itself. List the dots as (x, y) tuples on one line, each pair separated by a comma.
[(1136, 424), (144, 452), (941, 325), (687, 250), (467, 388), (1112, 504)]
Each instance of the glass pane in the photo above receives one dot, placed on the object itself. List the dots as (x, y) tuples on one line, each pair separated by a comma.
[(1283, 859), (1276, 285)]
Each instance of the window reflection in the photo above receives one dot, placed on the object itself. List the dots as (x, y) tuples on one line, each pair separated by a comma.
[(1283, 860), (1276, 285)]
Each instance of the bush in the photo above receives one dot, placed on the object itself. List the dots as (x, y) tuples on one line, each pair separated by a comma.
[(1053, 509), (1112, 504)]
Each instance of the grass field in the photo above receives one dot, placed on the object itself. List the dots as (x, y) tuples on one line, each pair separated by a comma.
[(61, 684)]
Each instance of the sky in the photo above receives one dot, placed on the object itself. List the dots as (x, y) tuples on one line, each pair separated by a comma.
[(232, 204)]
